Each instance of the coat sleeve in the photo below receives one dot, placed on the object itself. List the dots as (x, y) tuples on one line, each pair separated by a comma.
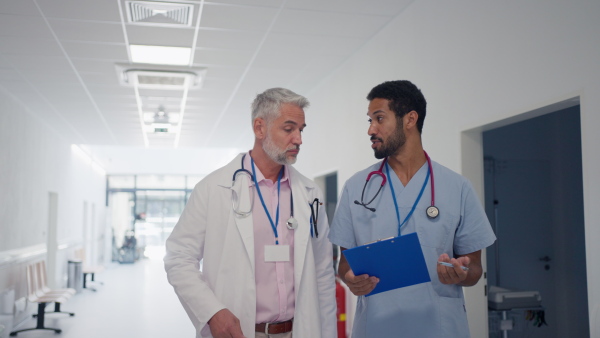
[(184, 253), (325, 276)]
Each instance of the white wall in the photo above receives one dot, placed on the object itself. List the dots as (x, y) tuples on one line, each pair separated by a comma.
[(181, 161), (477, 63), (34, 161)]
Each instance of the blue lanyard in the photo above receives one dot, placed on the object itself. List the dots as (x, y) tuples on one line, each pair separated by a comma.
[(273, 225), (387, 171)]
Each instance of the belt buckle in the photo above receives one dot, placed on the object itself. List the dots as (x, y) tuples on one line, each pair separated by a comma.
[(267, 329)]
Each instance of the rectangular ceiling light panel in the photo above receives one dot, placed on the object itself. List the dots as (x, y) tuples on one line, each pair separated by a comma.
[(161, 55)]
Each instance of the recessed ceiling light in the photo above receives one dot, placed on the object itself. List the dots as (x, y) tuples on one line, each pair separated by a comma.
[(161, 55)]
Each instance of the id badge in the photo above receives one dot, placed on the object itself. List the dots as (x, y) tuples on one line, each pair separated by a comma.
[(277, 253)]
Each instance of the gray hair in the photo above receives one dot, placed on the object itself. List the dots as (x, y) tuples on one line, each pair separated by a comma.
[(267, 104)]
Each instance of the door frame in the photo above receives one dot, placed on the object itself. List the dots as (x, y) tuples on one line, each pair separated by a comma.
[(472, 167)]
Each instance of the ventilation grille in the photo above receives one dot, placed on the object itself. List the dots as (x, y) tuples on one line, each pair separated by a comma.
[(159, 13), (168, 78), (161, 79)]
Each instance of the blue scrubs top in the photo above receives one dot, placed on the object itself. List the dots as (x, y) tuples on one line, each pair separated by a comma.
[(424, 310)]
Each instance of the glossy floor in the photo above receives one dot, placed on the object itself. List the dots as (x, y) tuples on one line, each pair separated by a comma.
[(135, 301)]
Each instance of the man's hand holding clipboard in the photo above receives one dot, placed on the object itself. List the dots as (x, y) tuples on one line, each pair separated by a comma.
[(384, 265)]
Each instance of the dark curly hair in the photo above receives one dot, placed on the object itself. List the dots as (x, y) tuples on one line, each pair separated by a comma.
[(404, 97)]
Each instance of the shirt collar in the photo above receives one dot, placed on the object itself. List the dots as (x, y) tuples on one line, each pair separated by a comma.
[(259, 175)]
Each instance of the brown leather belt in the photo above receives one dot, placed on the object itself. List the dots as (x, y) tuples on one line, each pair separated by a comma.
[(275, 328)]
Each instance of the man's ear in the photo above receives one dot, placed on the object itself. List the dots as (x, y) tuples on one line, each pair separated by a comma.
[(260, 128), (410, 119)]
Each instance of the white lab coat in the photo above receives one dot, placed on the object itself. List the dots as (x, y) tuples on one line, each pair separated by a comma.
[(209, 230)]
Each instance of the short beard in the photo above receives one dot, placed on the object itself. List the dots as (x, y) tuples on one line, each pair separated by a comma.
[(395, 142), (276, 154)]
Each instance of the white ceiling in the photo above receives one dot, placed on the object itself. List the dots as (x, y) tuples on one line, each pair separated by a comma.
[(58, 59)]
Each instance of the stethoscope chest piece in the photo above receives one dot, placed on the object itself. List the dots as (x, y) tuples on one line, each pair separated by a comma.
[(291, 223), (432, 212)]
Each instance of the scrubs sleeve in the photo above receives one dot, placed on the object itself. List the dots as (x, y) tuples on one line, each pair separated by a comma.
[(474, 231), (342, 227)]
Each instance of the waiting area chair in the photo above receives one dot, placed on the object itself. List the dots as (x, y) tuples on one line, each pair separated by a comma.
[(40, 293), (87, 269)]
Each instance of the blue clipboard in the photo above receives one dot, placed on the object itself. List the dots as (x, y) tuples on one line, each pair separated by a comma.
[(397, 262)]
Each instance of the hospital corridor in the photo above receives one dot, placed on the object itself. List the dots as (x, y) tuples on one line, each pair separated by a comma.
[(315, 168)]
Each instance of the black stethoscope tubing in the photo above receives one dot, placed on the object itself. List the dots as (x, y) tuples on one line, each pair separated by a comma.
[(291, 222)]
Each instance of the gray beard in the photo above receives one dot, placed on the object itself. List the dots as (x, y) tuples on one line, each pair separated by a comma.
[(275, 153)]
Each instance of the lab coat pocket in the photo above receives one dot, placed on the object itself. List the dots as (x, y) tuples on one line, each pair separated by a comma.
[(454, 316), (434, 232)]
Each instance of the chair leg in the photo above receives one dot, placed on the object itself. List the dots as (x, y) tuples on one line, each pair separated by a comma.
[(56, 310), (40, 322), (93, 280), (85, 281)]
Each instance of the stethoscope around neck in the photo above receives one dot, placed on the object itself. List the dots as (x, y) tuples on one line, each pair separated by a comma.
[(291, 223), (432, 211)]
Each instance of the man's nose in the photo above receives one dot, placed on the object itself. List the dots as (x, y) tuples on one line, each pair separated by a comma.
[(297, 140), (372, 130)]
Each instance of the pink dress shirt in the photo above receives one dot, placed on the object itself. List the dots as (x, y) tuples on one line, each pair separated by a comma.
[(275, 299)]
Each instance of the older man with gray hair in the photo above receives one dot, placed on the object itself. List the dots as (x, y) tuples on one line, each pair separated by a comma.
[(266, 260)]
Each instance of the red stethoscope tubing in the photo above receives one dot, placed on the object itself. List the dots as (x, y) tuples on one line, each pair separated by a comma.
[(432, 180)]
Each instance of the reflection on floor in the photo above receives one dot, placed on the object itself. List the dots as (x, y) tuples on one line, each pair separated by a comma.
[(135, 301)]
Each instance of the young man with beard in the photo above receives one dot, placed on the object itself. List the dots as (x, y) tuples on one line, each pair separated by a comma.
[(266, 268), (448, 218)]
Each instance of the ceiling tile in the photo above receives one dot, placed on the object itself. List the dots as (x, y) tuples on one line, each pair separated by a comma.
[(117, 53), (38, 62), (49, 76), (23, 26), (9, 75), (18, 7), (160, 36), (222, 58), (87, 31), (259, 79), (248, 3), (81, 9), (364, 7), (221, 72), (215, 86), (283, 59), (101, 90), (314, 44), (237, 17), (231, 40), (92, 66), (328, 23), (29, 46), (71, 107), (106, 107), (99, 78), (21, 89), (57, 93)]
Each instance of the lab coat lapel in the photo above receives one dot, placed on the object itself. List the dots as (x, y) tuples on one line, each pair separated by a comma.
[(244, 224), (301, 194)]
